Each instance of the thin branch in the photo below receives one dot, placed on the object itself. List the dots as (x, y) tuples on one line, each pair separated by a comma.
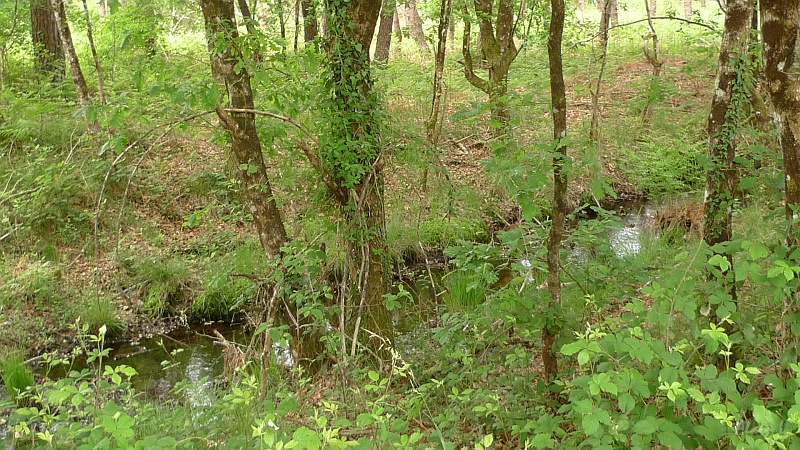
[(316, 163), (621, 25), (285, 119)]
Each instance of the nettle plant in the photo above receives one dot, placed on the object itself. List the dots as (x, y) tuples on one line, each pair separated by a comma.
[(665, 372)]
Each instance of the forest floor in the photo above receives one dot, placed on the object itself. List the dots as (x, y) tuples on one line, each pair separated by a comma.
[(184, 174)]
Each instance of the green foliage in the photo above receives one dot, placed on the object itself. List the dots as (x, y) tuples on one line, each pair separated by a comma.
[(463, 292), (40, 283), (102, 312), (660, 165), (17, 377), (227, 286), (166, 283), (442, 232)]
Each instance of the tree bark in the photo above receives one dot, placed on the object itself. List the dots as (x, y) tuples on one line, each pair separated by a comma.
[(82, 89), (97, 67), (724, 123), (652, 7), (256, 192), (605, 18), (102, 8), (651, 54), (356, 167), (310, 28), (384, 40), (432, 123), (398, 32), (47, 50), (780, 24), (614, 14), (414, 23), (559, 111), (687, 8), (499, 49)]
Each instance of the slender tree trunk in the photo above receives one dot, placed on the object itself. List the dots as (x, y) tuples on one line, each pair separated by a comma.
[(724, 123), (559, 110), (102, 7), (281, 18), (687, 8), (256, 192), (594, 129), (47, 49), (451, 31), (82, 89), (247, 16), (296, 24), (414, 23), (432, 124), (309, 21), (651, 54), (780, 25), (614, 14), (398, 32), (384, 40), (652, 7), (98, 68)]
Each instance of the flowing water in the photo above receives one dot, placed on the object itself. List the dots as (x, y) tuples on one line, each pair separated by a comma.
[(193, 354)]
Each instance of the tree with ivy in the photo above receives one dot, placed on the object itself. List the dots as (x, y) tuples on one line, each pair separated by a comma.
[(352, 163)]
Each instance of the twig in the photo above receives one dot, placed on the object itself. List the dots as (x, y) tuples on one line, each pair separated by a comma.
[(621, 25)]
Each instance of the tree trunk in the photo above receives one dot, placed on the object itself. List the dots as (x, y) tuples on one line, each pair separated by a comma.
[(432, 123), (780, 23), (497, 44), (98, 68), (652, 7), (559, 110), (687, 8), (384, 41), (356, 167), (582, 5), (296, 24), (47, 50), (724, 123), (256, 192), (309, 21), (414, 23), (614, 14), (398, 32), (651, 54), (281, 20), (594, 128), (82, 89), (102, 8)]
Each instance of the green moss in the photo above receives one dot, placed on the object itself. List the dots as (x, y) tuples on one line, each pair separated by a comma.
[(444, 232)]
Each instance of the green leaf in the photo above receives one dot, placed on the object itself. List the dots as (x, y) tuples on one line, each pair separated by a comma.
[(767, 419), (645, 427), (626, 402)]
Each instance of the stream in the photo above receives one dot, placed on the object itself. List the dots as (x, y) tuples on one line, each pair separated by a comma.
[(194, 354)]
